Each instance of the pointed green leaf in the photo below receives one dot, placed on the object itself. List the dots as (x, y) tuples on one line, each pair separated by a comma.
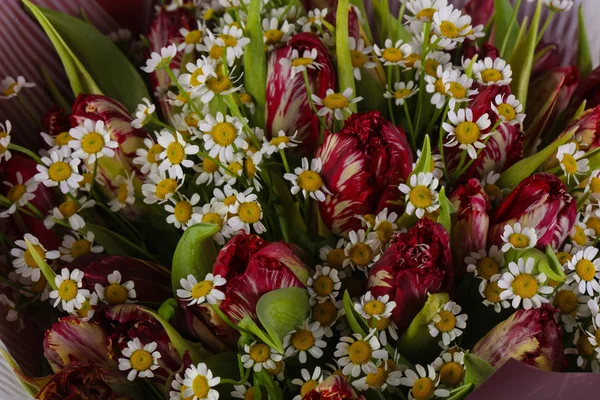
[(167, 308), (584, 56), (503, 13), (48, 273), (579, 111), (460, 393), (424, 163), (553, 268), (255, 62), (265, 380), (446, 209), (195, 254), (247, 324), (342, 50), (29, 384), (477, 369), (351, 316)]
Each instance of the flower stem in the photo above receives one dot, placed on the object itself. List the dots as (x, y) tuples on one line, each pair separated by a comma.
[(286, 166), (389, 82), (424, 52), (182, 90), (546, 24), (513, 18), (25, 151), (163, 125), (312, 105), (413, 139), (441, 142)]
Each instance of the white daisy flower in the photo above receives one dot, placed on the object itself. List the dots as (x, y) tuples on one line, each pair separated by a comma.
[(517, 237), (160, 188), (59, 171), (465, 133), (519, 283), (421, 195), (572, 306), (423, 383), (401, 91), (246, 212), (216, 213), (59, 143), (361, 251), (223, 136), (493, 72), (436, 162), (258, 356), (5, 140), (360, 56), (490, 292), (143, 114), (380, 380), (19, 194), (162, 60), (233, 170), (581, 235), (183, 213), (68, 211), (116, 292), (279, 142), (197, 384), (88, 308), (91, 141), (125, 193), (559, 5), (334, 257), (458, 87), (324, 284), (141, 360), (450, 23), (69, 293), (393, 53), (9, 87), (572, 161), (298, 63), (23, 261), (593, 185), (175, 154), (434, 60), (450, 367), (485, 264), (315, 17), (356, 354), (276, 33), (232, 37), (385, 226), (448, 322), (584, 349), (377, 312), (488, 183), (308, 381), (437, 85), (192, 38), (585, 271), (204, 291), (196, 76), (77, 245), (227, 196), (336, 104), (305, 339), (327, 314), (308, 180), (208, 172), (423, 10)]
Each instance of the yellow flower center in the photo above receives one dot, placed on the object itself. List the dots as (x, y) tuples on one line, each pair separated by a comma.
[(141, 360), (260, 353), (447, 321), (584, 347), (87, 179), (216, 52), (357, 58), (507, 112), (451, 374), (115, 293), (569, 163), (420, 196), (487, 267), (29, 258), (249, 395), (335, 101), (276, 141), (457, 90), (122, 193), (423, 389), (249, 212), (175, 153), (594, 223), (202, 289), (518, 240), (493, 190), (392, 55), (323, 286), (16, 192), (440, 87), (165, 187), (209, 166), (40, 285), (200, 387), (595, 185), (360, 352), (193, 37), (219, 84), (223, 134), (310, 181), (67, 290), (361, 254), (377, 379), (213, 218), (492, 292), (86, 307), (153, 153), (229, 40), (384, 231), (80, 247), (491, 75), (324, 313), (92, 143), (10, 90), (208, 14), (467, 132), (245, 98), (431, 70), (525, 286), (586, 270), (183, 211), (380, 324), (303, 340), (235, 167), (230, 200), (566, 301), (273, 37), (579, 236), (374, 307), (411, 59), (335, 258), (194, 81), (448, 29), (563, 257), (277, 370), (68, 209), (426, 13), (59, 171), (402, 93), (370, 218), (308, 387), (250, 168), (63, 139), (302, 62)]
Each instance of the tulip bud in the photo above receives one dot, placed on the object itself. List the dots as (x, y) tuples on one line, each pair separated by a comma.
[(469, 232), (532, 336), (335, 387), (363, 164), (55, 121), (417, 262), (287, 103), (588, 129), (540, 201), (588, 91)]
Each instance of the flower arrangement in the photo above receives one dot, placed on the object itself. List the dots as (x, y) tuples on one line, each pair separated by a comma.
[(308, 205)]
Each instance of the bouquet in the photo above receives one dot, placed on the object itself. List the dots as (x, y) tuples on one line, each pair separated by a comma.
[(304, 200)]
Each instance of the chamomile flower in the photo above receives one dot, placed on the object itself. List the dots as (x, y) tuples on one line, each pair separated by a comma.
[(334, 257), (305, 339), (143, 114), (450, 367), (175, 154), (584, 269), (116, 292), (393, 53), (88, 308), (423, 10), (9, 307), (385, 226), (380, 380), (204, 291), (5, 140), (246, 212), (57, 170), (69, 293), (183, 212), (297, 64), (458, 87), (308, 381), (245, 391), (68, 211), (519, 283), (584, 349), (593, 185), (125, 193), (216, 213), (276, 33), (336, 104), (356, 353), (160, 60), (375, 307), (141, 360), (77, 245), (401, 91), (465, 133), (448, 322), (360, 56), (492, 72), (437, 86), (571, 305), (324, 284), (421, 195), (192, 39), (280, 141), (198, 383), (228, 195), (361, 251), (327, 314), (581, 235), (308, 180), (315, 18), (488, 183), (9, 87), (19, 194), (485, 264), (572, 161), (490, 292), (223, 136), (23, 261), (434, 60), (559, 5), (517, 237), (258, 356), (450, 23), (59, 142), (423, 383), (160, 188)]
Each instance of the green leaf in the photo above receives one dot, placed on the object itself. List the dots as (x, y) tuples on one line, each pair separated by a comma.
[(370, 88), (424, 163), (579, 111), (255, 62), (446, 209), (416, 343), (29, 384), (167, 308), (48, 273), (342, 50), (522, 59), (353, 321), (584, 57), (113, 243), (195, 254), (524, 168), (265, 379), (553, 268), (94, 64), (282, 310), (477, 369), (502, 15), (582, 200), (247, 324), (54, 92), (460, 393), (360, 5)]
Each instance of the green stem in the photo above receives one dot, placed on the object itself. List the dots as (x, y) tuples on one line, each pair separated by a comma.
[(182, 90), (29, 111), (413, 139), (94, 177), (25, 151), (541, 34), (390, 107), (286, 166), (312, 105), (422, 75), (35, 210), (513, 18), (163, 125), (441, 142)]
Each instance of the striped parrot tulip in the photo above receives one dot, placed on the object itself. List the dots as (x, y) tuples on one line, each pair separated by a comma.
[(363, 164), (532, 336), (335, 387), (417, 262), (287, 103), (470, 229), (588, 129), (540, 201)]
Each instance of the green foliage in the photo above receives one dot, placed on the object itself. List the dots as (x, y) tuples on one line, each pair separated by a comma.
[(255, 62)]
